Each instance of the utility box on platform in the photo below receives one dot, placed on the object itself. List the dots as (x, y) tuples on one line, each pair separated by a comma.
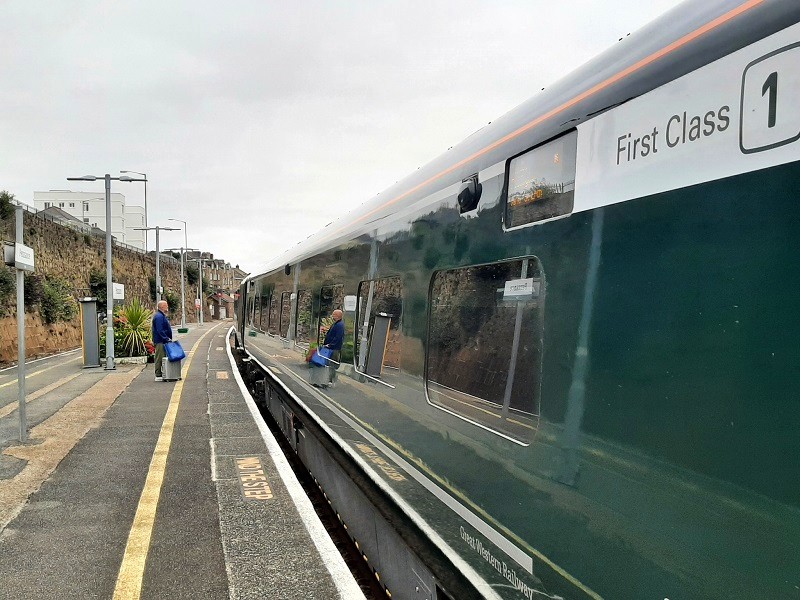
[(90, 332)]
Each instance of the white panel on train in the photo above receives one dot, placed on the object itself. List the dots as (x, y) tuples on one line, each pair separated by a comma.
[(693, 129)]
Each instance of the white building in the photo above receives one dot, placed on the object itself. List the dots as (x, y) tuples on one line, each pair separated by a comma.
[(90, 208)]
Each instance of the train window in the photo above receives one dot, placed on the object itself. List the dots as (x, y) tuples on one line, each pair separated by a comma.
[(378, 315), (302, 328), (286, 313), (541, 182), (264, 311), (485, 338), (273, 315)]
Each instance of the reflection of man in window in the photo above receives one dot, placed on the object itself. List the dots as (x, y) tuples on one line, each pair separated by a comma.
[(334, 339)]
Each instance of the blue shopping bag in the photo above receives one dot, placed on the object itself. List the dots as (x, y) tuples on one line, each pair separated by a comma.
[(321, 356), (174, 351)]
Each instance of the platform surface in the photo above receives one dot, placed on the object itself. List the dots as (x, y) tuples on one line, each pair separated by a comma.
[(132, 488)]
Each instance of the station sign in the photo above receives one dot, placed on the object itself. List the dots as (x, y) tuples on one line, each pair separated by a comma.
[(735, 115), (19, 256), (521, 288)]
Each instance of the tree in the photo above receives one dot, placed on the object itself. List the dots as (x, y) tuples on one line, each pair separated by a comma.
[(97, 288), (6, 204), (192, 274)]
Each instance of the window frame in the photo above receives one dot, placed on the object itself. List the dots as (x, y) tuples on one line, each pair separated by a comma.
[(425, 377), (507, 179)]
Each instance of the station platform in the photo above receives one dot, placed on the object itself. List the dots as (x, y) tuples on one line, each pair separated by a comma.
[(132, 488)]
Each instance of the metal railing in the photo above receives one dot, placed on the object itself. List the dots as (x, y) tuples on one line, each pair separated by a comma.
[(88, 230)]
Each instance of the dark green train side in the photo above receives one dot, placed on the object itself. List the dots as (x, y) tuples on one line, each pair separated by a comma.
[(659, 454)]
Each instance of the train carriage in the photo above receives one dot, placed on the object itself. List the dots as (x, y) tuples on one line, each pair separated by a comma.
[(571, 359)]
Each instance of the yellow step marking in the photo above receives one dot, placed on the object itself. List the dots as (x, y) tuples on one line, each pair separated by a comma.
[(222, 374), (131, 571)]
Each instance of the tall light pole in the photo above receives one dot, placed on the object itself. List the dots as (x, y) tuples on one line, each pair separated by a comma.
[(109, 285), (183, 257), (158, 256), (200, 262), (145, 200)]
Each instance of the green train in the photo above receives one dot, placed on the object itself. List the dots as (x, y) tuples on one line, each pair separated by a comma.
[(571, 365)]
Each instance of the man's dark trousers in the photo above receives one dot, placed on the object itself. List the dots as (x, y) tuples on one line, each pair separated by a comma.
[(159, 359)]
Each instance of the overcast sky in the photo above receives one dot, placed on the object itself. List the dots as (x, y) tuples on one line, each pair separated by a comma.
[(259, 122)]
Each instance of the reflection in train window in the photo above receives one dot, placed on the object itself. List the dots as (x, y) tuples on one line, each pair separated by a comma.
[(264, 310), (256, 308), (304, 317), (273, 315), (541, 182), (378, 315), (286, 313), (249, 308), (331, 297), (485, 339)]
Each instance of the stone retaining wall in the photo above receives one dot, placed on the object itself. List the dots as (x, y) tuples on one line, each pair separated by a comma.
[(72, 256)]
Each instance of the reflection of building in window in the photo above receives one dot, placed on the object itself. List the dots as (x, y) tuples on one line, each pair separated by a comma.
[(304, 316), (485, 344), (273, 328), (286, 312), (264, 319), (380, 307), (541, 183)]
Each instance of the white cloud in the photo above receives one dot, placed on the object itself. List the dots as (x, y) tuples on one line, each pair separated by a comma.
[(259, 122)]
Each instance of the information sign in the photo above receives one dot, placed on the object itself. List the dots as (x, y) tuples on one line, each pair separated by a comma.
[(23, 257)]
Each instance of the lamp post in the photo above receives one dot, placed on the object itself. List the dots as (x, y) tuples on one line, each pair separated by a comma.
[(109, 285), (145, 200), (183, 258), (200, 262), (158, 256)]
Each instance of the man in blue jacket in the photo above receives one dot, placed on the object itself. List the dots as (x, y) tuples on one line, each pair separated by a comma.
[(334, 340), (162, 333)]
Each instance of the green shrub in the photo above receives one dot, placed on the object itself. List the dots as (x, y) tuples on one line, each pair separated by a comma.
[(192, 274), (57, 303), (134, 322), (34, 290), (97, 289), (173, 301), (7, 286), (132, 332)]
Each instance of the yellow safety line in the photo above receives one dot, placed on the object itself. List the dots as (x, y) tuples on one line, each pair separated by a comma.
[(131, 571), (35, 373)]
